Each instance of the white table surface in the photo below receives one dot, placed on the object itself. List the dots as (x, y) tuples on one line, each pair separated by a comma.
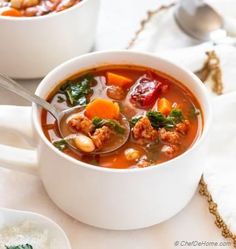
[(118, 21)]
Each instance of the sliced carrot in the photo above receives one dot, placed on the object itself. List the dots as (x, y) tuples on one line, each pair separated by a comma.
[(164, 106), (102, 108), (118, 80), (10, 12)]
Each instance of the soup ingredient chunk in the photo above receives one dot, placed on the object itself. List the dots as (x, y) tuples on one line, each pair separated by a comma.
[(159, 120), (80, 123), (92, 134), (170, 150), (60, 144), (115, 92), (183, 127), (84, 143), (143, 162), (132, 154), (101, 135), (78, 91), (118, 80), (171, 137), (164, 106), (143, 130), (115, 125), (102, 108), (156, 127), (22, 4), (145, 92), (7, 11)]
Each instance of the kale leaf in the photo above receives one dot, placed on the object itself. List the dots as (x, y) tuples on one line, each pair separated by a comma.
[(60, 144), (26, 246), (77, 91), (176, 116), (99, 122), (158, 120)]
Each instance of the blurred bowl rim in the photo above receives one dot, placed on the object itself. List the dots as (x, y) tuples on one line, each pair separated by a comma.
[(50, 15)]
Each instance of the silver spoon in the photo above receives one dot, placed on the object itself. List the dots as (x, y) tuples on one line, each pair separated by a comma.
[(200, 21), (61, 116)]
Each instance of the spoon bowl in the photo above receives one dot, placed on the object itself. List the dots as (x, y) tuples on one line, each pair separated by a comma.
[(61, 116), (120, 140), (10, 217), (200, 21)]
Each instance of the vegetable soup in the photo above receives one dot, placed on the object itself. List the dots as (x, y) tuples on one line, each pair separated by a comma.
[(28, 8), (165, 117)]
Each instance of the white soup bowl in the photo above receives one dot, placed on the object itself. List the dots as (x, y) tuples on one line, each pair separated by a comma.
[(103, 197), (32, 46)]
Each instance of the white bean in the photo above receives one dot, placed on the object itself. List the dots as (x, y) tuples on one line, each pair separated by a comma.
[(132, 154), (84, 143)]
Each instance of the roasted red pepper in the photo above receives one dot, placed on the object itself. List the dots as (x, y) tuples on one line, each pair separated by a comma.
[(146, 91)]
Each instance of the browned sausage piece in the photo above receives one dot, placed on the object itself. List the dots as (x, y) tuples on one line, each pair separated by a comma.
[(101, 135), (144, 130), (170, 137), (81, 123), (183, 128)]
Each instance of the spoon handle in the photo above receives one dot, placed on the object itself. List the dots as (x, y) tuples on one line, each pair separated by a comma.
[(16, 88)]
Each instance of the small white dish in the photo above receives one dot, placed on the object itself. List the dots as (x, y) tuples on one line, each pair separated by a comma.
[(10, 217)]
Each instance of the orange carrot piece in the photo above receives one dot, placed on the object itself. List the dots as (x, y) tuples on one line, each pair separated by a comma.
[(164, 106), (102, 108), (10, 12), (118, 80)]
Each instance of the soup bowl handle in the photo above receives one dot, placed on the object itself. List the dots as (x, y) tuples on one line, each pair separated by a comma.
[(16, 120)]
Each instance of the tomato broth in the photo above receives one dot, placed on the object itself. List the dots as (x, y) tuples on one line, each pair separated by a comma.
[(165, 117)]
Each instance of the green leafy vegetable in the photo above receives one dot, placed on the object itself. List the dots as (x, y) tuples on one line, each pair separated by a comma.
[(99, 122), (176, 116), (26, 246), (158, 120), (134, 120), (60, 144), (77, 91)]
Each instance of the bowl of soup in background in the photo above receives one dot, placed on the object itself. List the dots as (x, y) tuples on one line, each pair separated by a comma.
[(104, 197), (32, 46)]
